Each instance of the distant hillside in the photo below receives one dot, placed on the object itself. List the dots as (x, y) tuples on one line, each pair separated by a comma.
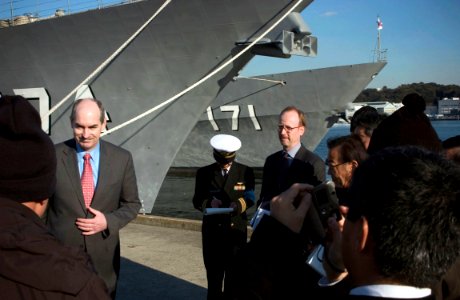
[(431, 92)]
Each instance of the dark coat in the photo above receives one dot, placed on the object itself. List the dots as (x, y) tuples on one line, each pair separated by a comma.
[(307, 167), (272, 266), (238, 187), (35, 265), (224, 234), (116, 196)]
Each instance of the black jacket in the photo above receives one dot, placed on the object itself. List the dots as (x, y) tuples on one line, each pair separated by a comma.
[(35, 265), (306, 167)]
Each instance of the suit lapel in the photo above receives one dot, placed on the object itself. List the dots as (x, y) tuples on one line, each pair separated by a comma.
[(104, 173), (301, 153), (69, 161)]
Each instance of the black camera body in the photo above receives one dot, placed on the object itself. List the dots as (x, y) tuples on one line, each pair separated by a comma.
[(325, 204)]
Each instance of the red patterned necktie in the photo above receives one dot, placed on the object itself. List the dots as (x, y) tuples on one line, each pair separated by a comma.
[(87, 182)]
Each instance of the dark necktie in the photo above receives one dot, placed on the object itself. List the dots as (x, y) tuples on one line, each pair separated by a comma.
[(285, 164), (87, 182)]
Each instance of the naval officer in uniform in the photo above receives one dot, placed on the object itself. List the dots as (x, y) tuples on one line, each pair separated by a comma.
[(223, 184)]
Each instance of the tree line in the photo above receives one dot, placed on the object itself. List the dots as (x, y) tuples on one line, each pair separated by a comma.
[(431, 92)]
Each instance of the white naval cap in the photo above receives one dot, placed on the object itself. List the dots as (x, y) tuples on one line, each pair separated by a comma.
[(225, 143)]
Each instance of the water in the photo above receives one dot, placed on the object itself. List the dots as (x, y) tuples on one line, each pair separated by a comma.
[(175, 196)]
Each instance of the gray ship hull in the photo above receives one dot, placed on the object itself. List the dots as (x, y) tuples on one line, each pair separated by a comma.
[(320, 93), (46, 60)]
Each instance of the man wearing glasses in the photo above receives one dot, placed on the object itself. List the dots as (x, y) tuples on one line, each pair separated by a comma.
[(292, 164)]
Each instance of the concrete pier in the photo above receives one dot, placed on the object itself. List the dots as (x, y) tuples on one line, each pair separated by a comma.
[(161, 258)]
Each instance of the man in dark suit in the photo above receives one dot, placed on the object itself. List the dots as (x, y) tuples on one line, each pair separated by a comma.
[(34, 264), (229, 185), (294, 163), (91, 217)]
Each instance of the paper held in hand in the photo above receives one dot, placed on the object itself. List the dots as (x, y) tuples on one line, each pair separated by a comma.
[(216, 211)]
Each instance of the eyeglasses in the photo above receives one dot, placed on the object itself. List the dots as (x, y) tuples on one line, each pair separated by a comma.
[(287, 128), (328, 163)]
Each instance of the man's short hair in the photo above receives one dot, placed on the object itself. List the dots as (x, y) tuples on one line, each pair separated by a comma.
[(410, 198), (367, 117), (77, 102), (350, 147), (302, 119)]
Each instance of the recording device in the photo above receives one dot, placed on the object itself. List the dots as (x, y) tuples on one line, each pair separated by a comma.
[(325, 204)]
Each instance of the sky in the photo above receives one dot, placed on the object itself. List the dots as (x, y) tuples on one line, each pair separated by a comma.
[(422, 37)]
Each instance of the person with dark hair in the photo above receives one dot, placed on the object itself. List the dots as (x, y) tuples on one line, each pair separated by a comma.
[(409, 125), (33, 263), (451, 148), (224, 190), (345, 154), (96, 192), (449, 286), (363, 122), (294, 163), (404, 204)]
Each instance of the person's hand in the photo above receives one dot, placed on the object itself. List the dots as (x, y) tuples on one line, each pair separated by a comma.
[(94, 225), (333, 260), (215, 203), (291, 206)]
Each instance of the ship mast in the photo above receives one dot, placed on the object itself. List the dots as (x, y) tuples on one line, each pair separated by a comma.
[(380, 54)]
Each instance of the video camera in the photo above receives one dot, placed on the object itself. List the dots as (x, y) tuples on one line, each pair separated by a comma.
[(325, 204)]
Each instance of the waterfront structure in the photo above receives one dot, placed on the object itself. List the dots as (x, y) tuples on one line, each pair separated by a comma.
[(449, 106), (383, 107)]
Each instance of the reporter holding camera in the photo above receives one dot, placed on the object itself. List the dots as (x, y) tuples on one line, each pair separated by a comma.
[(403, 205), (345, 154)]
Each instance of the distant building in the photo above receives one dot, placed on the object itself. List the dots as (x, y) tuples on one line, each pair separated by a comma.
[(448, 106), (431, 110), (383, 107)]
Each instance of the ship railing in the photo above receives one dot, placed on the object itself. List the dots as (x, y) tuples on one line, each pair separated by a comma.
[(19, 12)]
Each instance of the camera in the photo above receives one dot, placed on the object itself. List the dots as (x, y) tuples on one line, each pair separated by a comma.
[(325, 204)]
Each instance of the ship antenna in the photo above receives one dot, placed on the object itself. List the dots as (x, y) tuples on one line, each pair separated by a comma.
[(380, 54)]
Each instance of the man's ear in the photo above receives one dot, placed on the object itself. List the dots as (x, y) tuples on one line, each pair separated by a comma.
[(354, 164), (362, 234), (302, 130)]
